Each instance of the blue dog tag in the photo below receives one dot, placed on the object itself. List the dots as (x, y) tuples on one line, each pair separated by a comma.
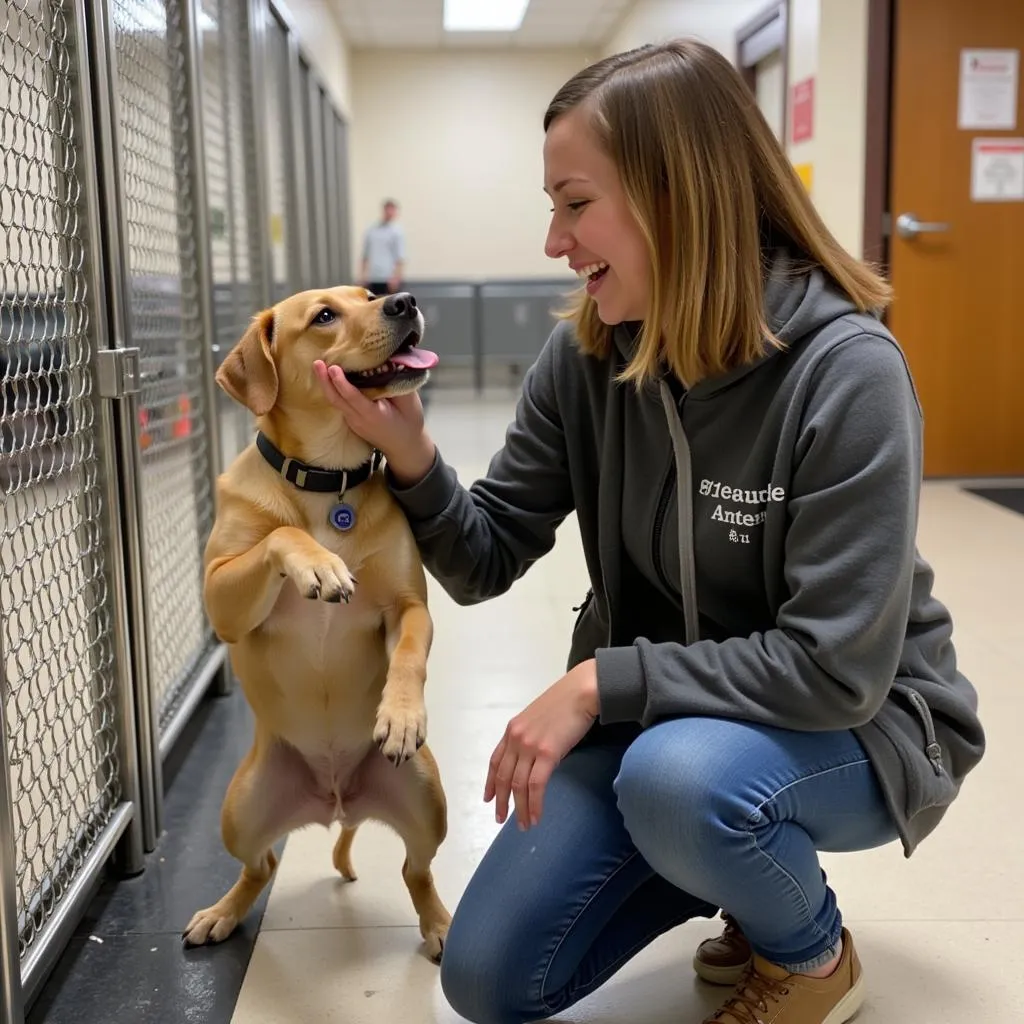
[(342, 516)]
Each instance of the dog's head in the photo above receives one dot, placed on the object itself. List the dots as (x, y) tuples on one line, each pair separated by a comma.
[(374, 340)]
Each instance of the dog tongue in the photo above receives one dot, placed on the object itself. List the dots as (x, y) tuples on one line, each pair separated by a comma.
[(416, 359)]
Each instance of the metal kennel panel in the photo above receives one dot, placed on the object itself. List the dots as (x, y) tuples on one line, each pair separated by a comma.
[(310, 225), (332, 186), (67, 764), (277, 131), (320, 222), (343, 225), (229, 147), (159, 265), (451, 321), (517, 318)]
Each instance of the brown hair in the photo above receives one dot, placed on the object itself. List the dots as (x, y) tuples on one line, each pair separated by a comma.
[(708, 184)]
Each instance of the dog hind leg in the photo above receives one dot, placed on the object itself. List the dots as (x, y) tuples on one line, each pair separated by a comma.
[(272, 793), (410, 799)]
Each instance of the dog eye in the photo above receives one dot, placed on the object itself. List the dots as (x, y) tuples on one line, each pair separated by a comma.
[(325, 316)]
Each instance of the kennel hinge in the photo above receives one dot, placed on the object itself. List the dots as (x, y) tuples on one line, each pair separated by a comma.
[(119, 372)]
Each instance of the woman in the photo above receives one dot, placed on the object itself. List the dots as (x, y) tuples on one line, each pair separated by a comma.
[(760, 671)]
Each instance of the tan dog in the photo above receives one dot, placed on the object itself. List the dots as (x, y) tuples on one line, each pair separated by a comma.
[(336, 688)]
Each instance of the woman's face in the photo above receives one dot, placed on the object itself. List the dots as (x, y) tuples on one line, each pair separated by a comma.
[(591, 225)]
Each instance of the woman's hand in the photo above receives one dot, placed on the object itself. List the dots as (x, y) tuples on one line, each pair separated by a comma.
[(537, 739), (393, 425)]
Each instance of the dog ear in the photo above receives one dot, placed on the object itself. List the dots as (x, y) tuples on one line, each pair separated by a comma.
[(248, 374)]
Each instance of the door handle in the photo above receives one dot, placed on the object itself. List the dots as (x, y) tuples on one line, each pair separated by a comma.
[(908, 226)]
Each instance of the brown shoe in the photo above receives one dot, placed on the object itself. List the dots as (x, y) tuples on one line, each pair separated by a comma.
[(770, 995), (723, 959)]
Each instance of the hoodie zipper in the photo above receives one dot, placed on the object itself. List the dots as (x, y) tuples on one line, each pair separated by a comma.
[(659, 523), (684, 523)]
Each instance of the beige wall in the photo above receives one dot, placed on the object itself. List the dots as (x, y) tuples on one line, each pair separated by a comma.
[(457, 138), (841, 125), (804, 19), (829, 40), (318, 30), (712, 21), (470, 172), (771, 91)]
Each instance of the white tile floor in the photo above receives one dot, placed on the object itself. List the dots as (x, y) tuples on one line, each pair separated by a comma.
[(940, 935)]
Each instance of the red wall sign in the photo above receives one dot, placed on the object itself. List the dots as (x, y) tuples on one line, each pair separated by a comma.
[(801, 110)]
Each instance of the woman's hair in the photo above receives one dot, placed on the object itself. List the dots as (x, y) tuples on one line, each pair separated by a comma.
[(710, 187)]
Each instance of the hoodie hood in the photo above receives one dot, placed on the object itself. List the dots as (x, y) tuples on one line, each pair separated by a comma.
[(799, 299)]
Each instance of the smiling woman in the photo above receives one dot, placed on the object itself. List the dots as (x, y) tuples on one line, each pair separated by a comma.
[(761, 672)]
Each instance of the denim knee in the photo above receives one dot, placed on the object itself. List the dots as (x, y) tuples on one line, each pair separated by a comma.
[(679, 805), (479, 974)]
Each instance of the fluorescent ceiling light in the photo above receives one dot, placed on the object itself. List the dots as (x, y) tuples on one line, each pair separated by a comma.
[(484, 15)]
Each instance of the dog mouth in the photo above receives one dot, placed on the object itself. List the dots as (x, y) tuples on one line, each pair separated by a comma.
[(408, 362)]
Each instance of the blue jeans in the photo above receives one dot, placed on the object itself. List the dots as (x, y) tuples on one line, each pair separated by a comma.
[(692, 816)]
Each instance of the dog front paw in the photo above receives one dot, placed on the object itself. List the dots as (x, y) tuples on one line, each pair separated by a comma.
[(322, 576), (400, 731)]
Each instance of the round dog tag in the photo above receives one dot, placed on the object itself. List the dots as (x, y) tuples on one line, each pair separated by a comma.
[(342, 516)]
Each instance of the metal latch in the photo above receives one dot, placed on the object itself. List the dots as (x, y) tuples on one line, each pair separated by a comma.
[(119, 372)]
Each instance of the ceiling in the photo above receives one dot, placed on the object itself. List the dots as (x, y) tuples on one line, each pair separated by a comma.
[(404, 24)]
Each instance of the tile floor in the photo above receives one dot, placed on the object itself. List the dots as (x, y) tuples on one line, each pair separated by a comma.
[(940, 935)]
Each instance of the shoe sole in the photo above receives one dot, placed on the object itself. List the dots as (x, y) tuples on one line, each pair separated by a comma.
[(849, 1006), (719, 975)]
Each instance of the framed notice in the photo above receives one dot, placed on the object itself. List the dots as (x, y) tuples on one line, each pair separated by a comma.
[(997, 170), (988, 89)]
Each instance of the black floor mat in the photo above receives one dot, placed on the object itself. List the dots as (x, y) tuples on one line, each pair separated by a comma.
[(1009, 497), (125, 963)]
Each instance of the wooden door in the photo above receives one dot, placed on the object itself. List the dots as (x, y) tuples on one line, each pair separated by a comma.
[(959, 306)]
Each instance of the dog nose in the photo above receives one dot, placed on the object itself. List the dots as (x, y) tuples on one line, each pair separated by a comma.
[(400, 306)]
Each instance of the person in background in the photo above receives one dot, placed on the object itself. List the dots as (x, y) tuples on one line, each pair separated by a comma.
[(761, 671), (384, 253)]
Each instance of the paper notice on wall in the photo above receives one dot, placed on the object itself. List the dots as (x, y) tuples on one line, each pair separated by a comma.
[(997, 170), (801, 111), (988, 89)]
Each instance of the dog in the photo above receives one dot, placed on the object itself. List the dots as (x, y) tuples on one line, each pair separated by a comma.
[(313, 579)]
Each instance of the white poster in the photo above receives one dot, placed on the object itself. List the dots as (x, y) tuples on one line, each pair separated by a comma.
[(988, 89), (997, 170)]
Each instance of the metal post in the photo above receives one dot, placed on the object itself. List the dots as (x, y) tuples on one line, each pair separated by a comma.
[(223, 681), (12, 1005), (225, 27), (478, 338), (129, 856), (298, 227), (300, 145), (104, 63), (332, 236), (258, 52)]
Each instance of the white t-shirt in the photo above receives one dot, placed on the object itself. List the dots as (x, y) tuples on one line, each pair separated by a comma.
[(383, 247)]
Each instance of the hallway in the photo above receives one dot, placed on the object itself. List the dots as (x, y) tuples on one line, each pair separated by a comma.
[(937, 934)]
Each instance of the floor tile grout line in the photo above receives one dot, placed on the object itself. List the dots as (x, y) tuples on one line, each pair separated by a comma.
[(847, 919)]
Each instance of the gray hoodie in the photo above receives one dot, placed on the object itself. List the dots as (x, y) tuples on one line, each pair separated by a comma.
[(750, 542)]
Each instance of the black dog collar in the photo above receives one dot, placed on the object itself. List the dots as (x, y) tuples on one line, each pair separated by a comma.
[(315, 478)]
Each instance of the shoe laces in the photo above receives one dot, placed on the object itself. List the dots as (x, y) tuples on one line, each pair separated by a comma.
[(752, 998)]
